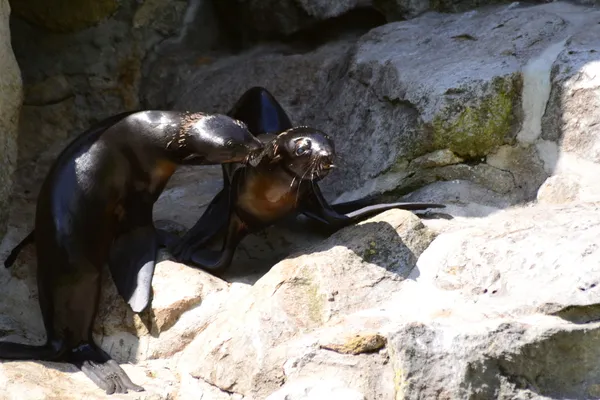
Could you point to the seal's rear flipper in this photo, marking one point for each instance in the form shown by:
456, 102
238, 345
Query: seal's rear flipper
102, 370
17, 249
317, 208
131, 261
378, 208
209, 225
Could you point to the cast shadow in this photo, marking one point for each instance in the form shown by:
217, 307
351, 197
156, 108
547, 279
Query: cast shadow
296, 237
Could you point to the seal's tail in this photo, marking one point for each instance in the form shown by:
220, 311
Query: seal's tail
17, 249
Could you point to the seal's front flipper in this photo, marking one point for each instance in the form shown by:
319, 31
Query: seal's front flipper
211, 223
17, 249
102, 370
261, 112
131, 262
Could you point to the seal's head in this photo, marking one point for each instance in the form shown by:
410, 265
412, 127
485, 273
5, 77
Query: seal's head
305, 152
220, 139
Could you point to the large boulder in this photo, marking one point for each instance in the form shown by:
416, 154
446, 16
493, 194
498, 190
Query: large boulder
571, 121
75, 79
11, 97
470, 86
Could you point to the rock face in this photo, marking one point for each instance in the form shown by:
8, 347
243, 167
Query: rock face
483, 111
11, 96
472, 85
64, 15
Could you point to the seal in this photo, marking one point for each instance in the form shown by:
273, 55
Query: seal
95, 206
281, 182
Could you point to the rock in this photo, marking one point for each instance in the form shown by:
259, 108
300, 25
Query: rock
559, 189
76, 79
438, 158
571, 120
301, 294
283, 17
316, 389
47, 380
374, 87
356, 344
64, 15
524, 264
11, 97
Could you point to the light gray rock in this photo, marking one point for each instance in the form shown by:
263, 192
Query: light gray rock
571, 120
373, 96
355, 268
534, 259
314, 390
11, 97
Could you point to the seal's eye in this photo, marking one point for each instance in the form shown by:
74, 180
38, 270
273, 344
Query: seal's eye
303, 147
229, 143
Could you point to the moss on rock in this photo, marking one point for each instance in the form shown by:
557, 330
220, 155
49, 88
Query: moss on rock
64, 15
366, 342
479, 128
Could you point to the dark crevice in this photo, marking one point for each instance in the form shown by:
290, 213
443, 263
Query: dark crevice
241, 37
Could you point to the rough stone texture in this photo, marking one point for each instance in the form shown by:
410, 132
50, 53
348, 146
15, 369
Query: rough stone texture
571, 120
468, 103
11, 97
74, 80
355, 268
474, 110
64, 15
268, 17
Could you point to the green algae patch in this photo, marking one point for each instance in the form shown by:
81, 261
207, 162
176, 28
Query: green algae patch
64, 16
474, 130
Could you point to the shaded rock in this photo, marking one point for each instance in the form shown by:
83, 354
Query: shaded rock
74, 80
268, 17
525, 167
301, 294
11, 97
438, 158
64, 15
52, 90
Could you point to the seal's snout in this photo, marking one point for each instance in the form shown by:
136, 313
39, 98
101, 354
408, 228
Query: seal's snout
326, 162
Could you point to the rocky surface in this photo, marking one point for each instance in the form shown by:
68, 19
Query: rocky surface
11, 96
481, 99
492, 112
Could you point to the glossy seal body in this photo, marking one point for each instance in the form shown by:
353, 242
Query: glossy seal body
95, 206
283, 181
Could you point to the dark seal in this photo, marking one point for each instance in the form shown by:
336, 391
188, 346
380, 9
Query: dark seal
281, 183
95, 206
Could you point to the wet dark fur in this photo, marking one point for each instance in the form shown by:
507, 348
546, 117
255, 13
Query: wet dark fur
95, 207
280, 183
